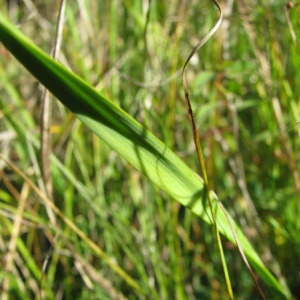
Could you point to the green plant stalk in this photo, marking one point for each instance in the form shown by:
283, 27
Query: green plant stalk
199, 149
130, 281
31, 265
126, 136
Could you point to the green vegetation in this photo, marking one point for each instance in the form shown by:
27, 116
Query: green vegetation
113, 233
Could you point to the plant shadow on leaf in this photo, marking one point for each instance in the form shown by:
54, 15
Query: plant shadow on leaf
132, 141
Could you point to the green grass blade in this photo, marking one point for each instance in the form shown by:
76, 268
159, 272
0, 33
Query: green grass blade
126, 136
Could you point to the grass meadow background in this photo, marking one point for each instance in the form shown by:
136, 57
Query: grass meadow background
244, 88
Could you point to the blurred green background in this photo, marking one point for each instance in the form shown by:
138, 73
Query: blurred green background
244, 88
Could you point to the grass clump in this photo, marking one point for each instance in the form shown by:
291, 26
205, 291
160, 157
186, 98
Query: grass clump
244, 93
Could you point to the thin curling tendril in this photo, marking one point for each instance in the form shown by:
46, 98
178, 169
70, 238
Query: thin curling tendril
203, 169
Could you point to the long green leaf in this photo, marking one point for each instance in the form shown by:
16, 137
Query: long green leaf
126, 136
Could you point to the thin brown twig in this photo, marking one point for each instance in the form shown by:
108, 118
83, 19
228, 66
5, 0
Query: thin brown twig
199, 150
97, 250
186, 94
12, 247
203, 168
46, 112
240, 248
